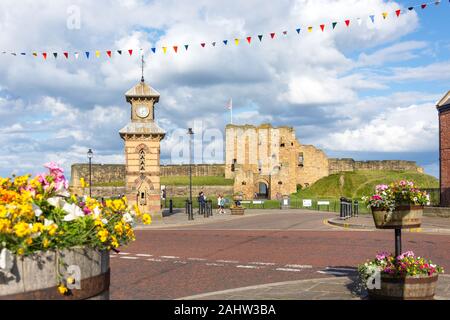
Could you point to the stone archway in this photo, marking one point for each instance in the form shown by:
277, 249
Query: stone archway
262, 189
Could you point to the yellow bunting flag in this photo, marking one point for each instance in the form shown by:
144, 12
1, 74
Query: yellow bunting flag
385, 14
310, 29
164, 49
35, 54
97, 54
236, 41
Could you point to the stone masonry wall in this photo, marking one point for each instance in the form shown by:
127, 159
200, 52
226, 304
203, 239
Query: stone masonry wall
341, 165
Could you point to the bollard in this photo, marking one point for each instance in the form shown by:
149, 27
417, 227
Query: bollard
210, 208
170, 206
356, 209
189, 210
341, 211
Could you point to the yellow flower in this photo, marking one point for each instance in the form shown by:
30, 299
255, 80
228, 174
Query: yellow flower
22, 229
83, 183
103, 235
137, 210
45, 243
98, 222
114, 242
119, 228
51, 229
62, 289
5, 226
29, 241
20, 251
37, 227
146, 218
70, 280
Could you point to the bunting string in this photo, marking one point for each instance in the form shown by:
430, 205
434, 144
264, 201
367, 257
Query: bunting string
175, 48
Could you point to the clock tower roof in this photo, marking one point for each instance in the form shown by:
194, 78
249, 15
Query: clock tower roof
142, 90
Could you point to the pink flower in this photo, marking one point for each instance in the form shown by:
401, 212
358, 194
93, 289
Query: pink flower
382, 256
381, 187
376, 197
54, 167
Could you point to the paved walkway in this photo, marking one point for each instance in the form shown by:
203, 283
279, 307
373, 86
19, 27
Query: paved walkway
333, 288
429, 224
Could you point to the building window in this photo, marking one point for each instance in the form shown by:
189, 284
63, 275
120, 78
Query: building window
142, 160
280, 182
301, 159
233, 165
244, 183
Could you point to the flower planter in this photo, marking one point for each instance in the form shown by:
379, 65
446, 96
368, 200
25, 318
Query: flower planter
34, 277
237, 211
403, 217
405, 288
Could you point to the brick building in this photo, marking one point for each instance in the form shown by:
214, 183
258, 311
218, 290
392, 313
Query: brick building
443, 107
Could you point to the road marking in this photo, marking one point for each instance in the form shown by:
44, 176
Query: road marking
288, 269
169, 257
131, 258
247, 267
215, 264
336, 273
197, 259
154, 260
301, 266
124, 253
180, 262
227, 261
263, 263
143, 255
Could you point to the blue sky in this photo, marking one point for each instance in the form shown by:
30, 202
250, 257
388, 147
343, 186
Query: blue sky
366, 92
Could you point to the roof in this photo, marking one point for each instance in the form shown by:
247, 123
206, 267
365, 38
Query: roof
444, 102
142, 128
142, 90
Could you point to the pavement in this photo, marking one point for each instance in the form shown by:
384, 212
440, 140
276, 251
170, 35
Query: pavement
429, 224
293, 254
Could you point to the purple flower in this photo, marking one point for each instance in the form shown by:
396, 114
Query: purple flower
382, 255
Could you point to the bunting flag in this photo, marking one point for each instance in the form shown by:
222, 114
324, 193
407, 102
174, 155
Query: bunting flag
397, 12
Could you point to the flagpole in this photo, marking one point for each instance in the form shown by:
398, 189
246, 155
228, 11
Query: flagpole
231, 113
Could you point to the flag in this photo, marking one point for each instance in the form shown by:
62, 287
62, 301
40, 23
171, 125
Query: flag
372, 17
97, 54
203, 44
76, 55
55, 54
154, 50
66, 54
272, 35
411, 8
260, 37
423, 6
298, 30
213, 44
87, 54
35, 54
225, 42
236, 41
322, 26
249, 40
119, 52
230, 104
285, 33
347, 22
334, 25
310, 29
130, 52
186, 46
175, 48
164, 49
398, 12
385, 14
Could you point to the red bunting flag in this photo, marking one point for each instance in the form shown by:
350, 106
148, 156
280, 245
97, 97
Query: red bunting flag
347, 22
272, 35
285, 32
66, 54
249, 39
322, 26
398, 12
175, 48
203, 44
109, 53
130, 52
423, 6
44, 54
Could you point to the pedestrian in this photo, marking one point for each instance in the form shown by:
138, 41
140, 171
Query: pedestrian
201, 202
221, 204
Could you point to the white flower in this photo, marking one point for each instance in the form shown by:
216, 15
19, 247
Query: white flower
57, 202
104, 221
48, 222
97, 213
73, 212
6, 260
37, 210
63, 192
127, 218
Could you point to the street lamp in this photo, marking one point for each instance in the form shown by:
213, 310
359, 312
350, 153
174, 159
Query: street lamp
90, 154
191, 134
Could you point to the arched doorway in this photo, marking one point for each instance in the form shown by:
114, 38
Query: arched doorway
263, 190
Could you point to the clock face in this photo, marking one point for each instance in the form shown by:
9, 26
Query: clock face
142, 111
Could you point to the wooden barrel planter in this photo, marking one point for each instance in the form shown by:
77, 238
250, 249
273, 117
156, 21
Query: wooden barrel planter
237, 211
34, 277
405, 288
403, 217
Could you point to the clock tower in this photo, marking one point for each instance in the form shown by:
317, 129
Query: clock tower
142, 138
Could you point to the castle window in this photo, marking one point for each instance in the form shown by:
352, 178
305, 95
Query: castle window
233, 165
300, 159
280, 182
142, 160
244, 183
282, 145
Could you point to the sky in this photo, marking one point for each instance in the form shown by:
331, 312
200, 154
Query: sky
367, 91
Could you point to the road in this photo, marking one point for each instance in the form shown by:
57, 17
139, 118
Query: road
184, 261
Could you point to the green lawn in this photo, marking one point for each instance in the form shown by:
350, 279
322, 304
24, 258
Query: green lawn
196, 181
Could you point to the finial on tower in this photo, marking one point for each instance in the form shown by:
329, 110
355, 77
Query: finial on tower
142, 66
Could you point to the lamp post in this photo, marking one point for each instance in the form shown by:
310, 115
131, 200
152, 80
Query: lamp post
191, 134
90, 154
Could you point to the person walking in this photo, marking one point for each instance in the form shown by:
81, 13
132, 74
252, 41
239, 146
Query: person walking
201, 202
221, 204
